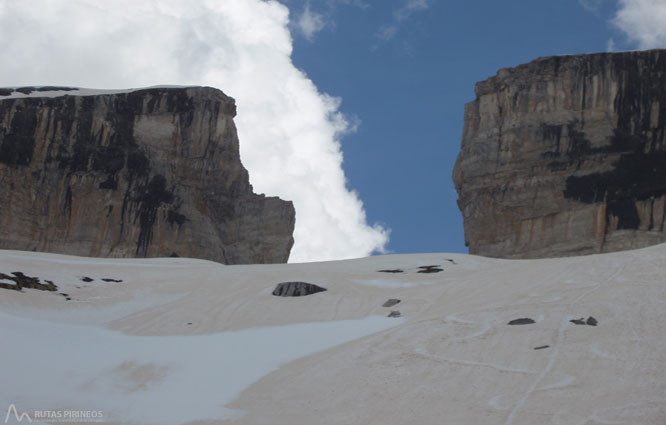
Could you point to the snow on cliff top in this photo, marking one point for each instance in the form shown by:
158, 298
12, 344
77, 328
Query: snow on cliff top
56, 91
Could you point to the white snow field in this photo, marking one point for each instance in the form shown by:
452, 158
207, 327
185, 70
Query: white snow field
183, 341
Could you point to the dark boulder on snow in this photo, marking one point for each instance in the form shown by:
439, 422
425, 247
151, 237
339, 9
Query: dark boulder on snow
391, 302
522, 321
296, 289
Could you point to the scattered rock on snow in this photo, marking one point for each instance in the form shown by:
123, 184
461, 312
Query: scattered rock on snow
430, 269
391, 271
394, 313
22, 281
521, 321
87, 279
391, 302
541, 347
591, 321
296, 289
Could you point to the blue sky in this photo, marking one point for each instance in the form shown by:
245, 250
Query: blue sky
408, 91
352, 109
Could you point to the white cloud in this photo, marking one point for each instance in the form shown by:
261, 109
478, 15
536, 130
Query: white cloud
362, 4
610, 45
643, 21
405, 11
409, 7
387, 32
310, 22
591, 5
288, 130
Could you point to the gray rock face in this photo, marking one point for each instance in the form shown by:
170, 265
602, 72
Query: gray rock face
145, 173
566, 155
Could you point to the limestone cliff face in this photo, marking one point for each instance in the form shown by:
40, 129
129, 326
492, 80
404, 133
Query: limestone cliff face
566, 155
144, 173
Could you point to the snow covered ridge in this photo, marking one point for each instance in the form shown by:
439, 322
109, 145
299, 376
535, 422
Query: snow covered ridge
478, 341
57, 91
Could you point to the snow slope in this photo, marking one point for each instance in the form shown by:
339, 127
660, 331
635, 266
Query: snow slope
189, 341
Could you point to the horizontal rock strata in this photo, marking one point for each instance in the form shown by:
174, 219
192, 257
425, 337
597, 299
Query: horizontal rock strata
566, 155
136, 173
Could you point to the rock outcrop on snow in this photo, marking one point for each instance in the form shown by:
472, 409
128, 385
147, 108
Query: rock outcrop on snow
566, 155
150, 172
296, 289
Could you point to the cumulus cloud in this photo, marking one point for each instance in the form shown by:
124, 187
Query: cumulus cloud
643, 21
289, 131
310, 22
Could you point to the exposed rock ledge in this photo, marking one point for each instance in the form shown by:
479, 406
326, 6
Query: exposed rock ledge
566, 155
132, 173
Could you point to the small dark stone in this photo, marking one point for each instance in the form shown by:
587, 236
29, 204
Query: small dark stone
580, 321
522, 321
68, 299
189, 323
430, 269
541, 347
394, 313
112, 280
87, 279
296, 289
391, 302
591, 321
64, 295
391, 271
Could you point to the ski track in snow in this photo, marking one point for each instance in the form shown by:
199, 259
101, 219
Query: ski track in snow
557, 346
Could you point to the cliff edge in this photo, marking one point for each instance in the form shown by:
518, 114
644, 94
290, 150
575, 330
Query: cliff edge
566, 155
132, 173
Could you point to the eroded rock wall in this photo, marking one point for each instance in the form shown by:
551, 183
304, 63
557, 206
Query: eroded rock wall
144, 173
566, 155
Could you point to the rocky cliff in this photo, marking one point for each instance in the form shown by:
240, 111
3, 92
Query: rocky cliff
137, 173
566, 155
